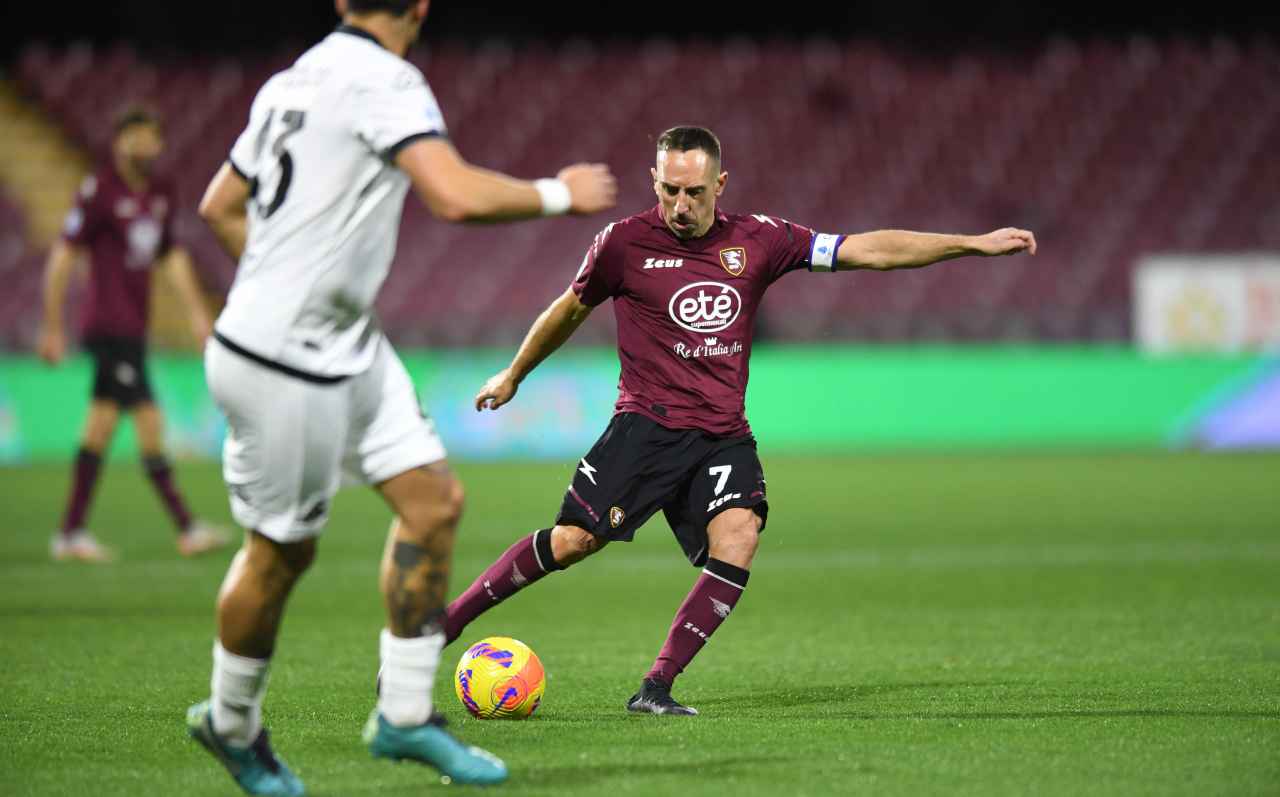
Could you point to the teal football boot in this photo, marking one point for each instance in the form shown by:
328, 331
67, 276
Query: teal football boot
255, 768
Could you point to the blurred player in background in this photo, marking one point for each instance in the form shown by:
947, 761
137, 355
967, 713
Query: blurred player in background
122, 222
309, 203
686, 280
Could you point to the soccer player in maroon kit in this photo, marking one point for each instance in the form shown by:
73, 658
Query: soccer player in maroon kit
122, 220
686, 281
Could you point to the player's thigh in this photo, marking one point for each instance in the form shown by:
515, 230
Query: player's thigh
100, 423
632, 471
728, 477
283, 450
390, 434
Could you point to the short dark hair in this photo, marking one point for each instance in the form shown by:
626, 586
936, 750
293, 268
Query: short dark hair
686, 138
396, 7
132, 115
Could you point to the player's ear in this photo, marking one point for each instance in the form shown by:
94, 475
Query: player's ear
423, 5
341, 7
720, 181
654, 174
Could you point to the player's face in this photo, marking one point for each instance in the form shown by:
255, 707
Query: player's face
140, 145
687, 185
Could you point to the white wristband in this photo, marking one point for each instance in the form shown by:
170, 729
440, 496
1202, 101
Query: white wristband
822, 254
556, 199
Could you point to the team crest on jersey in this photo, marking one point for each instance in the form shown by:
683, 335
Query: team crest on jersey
616, 516
126, 207
734, 260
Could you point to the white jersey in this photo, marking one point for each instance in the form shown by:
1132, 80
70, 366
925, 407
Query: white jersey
326, 203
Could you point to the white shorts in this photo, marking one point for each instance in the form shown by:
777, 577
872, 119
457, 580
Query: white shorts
290, 442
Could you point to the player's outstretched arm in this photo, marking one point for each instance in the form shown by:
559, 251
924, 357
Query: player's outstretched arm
556, 325
52, 344
224, 208
182, 276
456, 191
889, 249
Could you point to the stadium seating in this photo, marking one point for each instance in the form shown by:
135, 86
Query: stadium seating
21, 273
1107, 149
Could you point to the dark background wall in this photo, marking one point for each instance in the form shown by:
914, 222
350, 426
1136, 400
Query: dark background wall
240, 25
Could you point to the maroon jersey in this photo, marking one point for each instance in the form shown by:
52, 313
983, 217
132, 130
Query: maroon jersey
124, 231
686, 310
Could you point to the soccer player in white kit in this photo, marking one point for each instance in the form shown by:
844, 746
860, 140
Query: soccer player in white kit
309, 202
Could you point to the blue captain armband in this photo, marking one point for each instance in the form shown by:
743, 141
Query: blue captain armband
822, 252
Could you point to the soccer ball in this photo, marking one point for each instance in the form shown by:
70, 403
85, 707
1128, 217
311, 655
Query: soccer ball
499, 678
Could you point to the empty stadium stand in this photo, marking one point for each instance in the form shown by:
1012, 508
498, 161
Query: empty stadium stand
1107, 149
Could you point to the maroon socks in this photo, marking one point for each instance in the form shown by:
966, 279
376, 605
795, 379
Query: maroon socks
713, 596
161, 476
84, 477
528, 560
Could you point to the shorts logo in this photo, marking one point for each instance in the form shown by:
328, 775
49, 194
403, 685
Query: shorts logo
716, 503
316, 512
616, 516
705, 306
126, 374
734, 260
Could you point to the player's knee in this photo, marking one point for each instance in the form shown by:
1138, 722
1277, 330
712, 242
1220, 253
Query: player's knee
99, 428
433, 513
736, 534
455, 501
571, 544
274, 566
298, 557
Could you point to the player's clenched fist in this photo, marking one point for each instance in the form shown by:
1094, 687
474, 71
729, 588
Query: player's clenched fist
1007, 241
591, 185
500, 389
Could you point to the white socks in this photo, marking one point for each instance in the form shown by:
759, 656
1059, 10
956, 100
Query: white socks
238, 685
408, 673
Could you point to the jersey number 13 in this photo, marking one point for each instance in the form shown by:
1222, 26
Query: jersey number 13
290, 122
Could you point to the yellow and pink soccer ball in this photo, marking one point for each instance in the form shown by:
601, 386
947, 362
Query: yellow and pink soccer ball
499, 678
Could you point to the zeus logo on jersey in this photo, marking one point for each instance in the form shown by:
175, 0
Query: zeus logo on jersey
655, 262
705, 306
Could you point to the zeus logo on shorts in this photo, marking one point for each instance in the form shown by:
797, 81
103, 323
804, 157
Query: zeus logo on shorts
705, 306
716, 503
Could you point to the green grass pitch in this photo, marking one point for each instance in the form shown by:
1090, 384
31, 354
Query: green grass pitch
951, 624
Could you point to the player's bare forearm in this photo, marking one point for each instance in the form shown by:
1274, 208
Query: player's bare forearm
232, 233
182, 276
224, 208
890, 249
62, 260
57, 275
553, 327
457, 191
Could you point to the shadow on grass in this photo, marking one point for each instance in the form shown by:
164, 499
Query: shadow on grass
587, 773
846, 696
1064, 714
591, 772
834, 694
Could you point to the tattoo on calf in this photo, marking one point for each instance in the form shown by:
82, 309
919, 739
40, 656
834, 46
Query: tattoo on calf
416, 587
